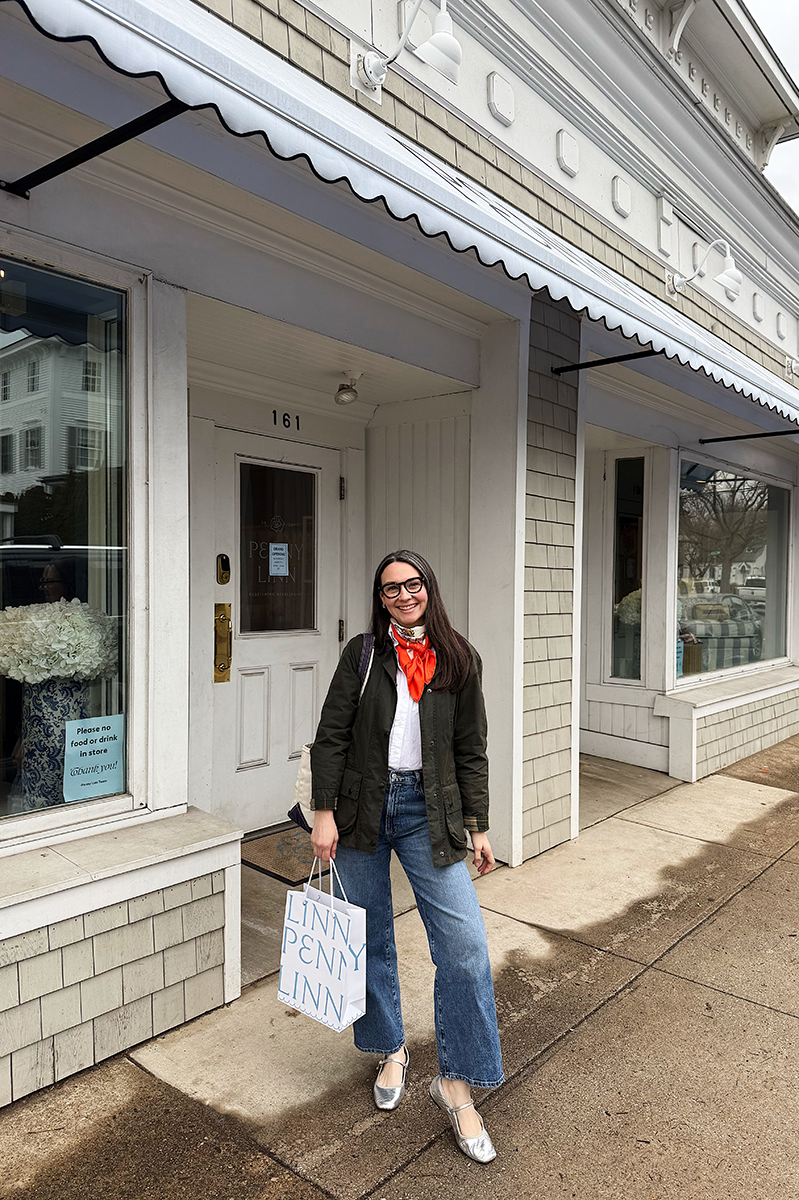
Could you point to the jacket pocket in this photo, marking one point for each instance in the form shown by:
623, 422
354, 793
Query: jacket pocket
453, 814
351, 783
348, 796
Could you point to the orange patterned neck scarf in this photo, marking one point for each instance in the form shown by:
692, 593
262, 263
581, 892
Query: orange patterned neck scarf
417, 659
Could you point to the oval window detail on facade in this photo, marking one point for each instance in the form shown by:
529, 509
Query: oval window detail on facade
732, 570
63, 535
628, 568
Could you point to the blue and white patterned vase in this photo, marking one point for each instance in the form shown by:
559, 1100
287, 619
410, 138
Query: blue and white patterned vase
46, 707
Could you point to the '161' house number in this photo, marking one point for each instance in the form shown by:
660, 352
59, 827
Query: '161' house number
286, 419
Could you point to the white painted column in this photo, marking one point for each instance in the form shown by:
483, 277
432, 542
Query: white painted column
168, 624
579, 617
496, 566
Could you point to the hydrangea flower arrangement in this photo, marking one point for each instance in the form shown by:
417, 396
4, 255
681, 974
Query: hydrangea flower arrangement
64, 640
628, 610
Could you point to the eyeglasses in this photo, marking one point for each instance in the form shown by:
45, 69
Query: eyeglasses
412, 586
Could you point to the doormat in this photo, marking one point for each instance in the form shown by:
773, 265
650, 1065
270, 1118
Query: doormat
285, 854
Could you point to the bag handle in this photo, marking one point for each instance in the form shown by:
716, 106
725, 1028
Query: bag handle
333, 870
310, 877
340, 884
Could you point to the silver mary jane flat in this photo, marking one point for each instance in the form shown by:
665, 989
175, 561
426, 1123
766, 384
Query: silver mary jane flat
479, 1148
387, 1098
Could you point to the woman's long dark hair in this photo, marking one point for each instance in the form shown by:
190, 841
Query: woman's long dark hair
453, 655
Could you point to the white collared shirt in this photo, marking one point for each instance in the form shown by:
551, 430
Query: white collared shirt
405, 742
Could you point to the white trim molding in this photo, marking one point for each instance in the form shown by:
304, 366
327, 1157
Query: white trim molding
639, 754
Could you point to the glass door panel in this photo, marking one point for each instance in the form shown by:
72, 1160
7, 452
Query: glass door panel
278, 548
628, 567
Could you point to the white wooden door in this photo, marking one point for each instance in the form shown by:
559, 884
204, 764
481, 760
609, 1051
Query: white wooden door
277, 520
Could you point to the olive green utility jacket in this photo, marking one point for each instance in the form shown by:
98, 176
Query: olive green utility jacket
349, 758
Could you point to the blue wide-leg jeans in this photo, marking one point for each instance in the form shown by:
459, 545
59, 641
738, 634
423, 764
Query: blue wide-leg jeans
465, 1010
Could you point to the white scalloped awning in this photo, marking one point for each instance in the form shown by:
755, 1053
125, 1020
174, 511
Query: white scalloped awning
202, 61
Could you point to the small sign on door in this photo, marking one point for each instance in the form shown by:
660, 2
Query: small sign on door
279, 558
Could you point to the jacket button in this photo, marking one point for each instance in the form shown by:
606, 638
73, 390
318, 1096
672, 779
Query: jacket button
441, 854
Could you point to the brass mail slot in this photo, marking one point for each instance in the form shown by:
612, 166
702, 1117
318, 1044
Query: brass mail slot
223, 643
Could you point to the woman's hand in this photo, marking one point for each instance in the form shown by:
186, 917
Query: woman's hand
324, 837
483, 856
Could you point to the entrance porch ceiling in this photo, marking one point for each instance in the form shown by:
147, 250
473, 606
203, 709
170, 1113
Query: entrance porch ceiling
248, 352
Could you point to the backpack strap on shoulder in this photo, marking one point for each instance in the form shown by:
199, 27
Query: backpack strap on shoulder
367, 654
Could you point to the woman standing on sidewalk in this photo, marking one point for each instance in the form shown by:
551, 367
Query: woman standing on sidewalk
405, 769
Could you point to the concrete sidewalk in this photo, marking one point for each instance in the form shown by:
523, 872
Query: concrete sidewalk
647, 980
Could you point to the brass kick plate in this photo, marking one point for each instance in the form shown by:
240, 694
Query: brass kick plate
223, 643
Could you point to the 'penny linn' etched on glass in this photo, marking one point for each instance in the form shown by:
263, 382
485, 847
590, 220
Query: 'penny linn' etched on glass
278, 551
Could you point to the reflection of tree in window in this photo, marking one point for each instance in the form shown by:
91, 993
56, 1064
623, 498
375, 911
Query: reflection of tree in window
723, 521
732, 527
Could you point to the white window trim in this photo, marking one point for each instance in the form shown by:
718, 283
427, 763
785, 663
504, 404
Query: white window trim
81, 426
34, 426
37, 373
92, 370
148, 489
675, 684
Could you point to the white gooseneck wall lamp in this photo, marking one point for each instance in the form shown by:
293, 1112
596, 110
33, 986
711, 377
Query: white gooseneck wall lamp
730, 278
442, 51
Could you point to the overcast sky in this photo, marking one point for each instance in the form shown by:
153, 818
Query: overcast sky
779, 20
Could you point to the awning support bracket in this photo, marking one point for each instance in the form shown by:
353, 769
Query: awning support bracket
604, 362
108, 141
750, 437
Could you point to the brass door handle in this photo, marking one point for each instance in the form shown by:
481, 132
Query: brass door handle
223, 643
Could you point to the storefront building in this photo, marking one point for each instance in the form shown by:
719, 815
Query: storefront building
289, 322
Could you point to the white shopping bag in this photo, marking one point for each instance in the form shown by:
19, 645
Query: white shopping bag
323, 956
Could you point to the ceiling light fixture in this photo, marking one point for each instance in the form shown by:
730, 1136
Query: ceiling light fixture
442, 51
730, 278
347, 392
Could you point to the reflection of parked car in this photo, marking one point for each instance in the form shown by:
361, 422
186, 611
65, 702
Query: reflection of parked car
728, 628
754, 592
689, 587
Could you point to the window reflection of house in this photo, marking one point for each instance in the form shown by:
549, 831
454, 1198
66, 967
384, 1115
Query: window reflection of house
60, 413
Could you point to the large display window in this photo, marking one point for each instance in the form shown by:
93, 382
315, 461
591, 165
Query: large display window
63, 549
732, 569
